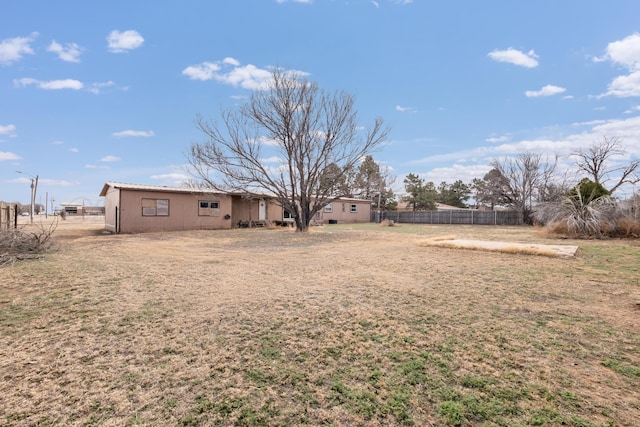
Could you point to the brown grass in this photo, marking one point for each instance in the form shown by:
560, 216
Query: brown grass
346, 325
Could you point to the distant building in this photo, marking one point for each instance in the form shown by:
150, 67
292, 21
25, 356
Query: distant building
81, 209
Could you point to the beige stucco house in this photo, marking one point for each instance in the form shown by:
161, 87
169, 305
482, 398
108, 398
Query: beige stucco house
136, 208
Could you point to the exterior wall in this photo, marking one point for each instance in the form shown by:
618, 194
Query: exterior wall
340, 212
183, 211
111, 207
274, 211
249, 210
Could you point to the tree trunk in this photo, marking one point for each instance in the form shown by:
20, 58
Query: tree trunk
303, 220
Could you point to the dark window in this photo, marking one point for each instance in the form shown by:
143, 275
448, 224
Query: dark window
209, 208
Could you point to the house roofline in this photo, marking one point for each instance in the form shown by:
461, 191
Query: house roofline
158, 188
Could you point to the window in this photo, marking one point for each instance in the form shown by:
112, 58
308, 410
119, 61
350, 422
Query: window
209, 208
328, 208
155, 207
353, 208
286, 215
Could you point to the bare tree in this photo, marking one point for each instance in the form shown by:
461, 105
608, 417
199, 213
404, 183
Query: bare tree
305, 128
595, 160
527, 175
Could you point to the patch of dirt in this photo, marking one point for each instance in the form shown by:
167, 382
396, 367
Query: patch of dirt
507, 247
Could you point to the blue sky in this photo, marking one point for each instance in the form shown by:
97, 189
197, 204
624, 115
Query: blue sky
108, 91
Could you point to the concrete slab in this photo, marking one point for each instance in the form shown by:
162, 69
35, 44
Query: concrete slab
518, 248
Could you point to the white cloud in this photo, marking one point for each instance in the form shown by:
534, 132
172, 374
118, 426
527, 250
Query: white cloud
89, 166
74, 150
12, 50
560, 147
202, 71
123, 41
625, 53
230, 72
405, 109
50, 85
58, 142
268, 142
231, 61
9, 130
625, 86
588, 123
247, 77
516, 57
56, 183
450, 174
272, 159
496, 139
5, 155
129, 132
547, 90
110, 159
96, 88
628, 129
70, 52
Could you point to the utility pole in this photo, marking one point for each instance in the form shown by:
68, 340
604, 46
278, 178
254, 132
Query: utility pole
34, 189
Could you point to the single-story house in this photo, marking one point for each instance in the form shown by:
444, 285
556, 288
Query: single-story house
135, 208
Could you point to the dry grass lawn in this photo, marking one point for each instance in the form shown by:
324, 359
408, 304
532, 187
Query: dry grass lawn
346, 325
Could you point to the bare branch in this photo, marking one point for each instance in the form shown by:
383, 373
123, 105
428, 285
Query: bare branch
595, 161
294, 121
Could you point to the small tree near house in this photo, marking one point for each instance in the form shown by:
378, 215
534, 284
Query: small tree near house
291, 140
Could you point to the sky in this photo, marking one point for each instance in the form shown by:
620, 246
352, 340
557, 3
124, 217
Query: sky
92, 92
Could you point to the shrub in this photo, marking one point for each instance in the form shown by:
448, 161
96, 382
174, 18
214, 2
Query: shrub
587, 211
17, 244
627, 226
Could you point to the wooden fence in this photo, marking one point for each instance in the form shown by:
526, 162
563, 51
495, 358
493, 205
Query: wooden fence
8, 216
462, 216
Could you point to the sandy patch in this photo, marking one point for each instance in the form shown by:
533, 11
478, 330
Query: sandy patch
509, 247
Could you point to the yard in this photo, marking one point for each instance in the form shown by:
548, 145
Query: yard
346, 325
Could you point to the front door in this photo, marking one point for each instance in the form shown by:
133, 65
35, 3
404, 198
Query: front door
262, 211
